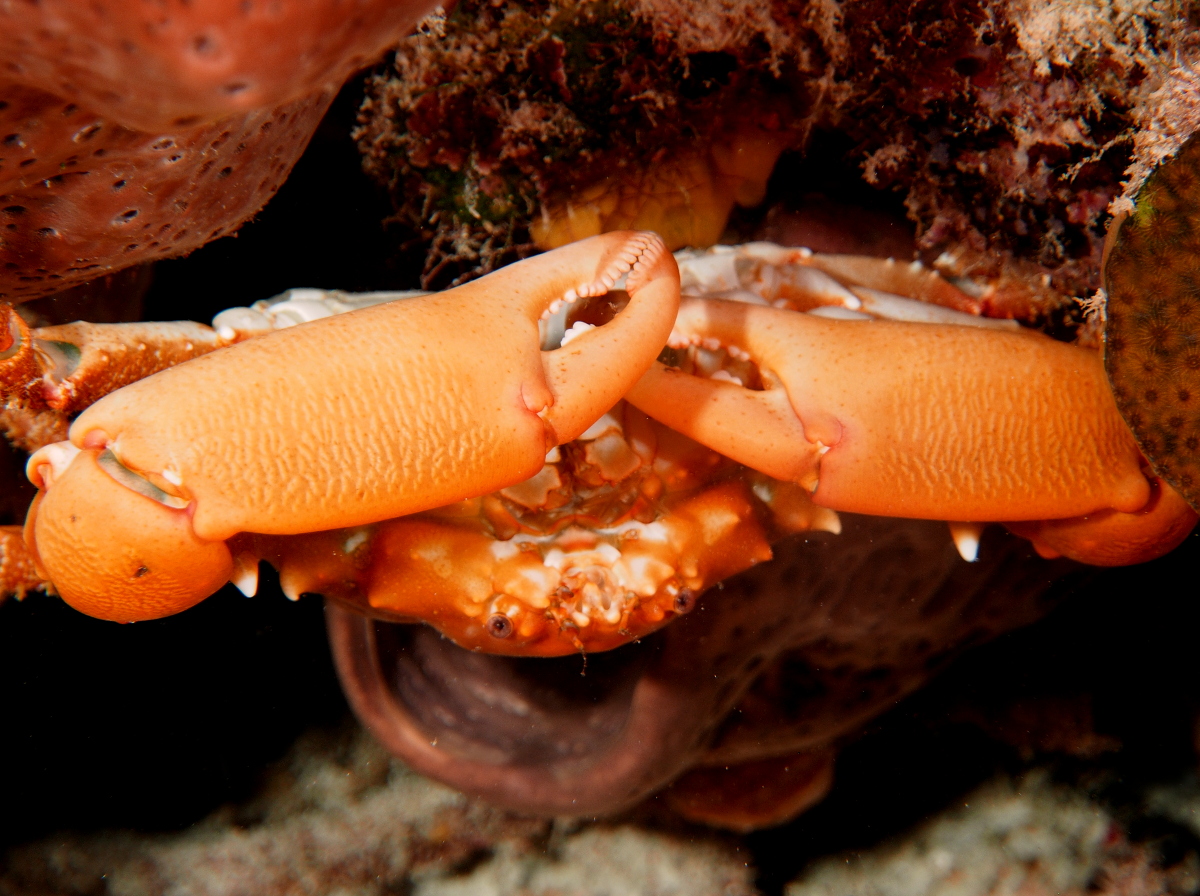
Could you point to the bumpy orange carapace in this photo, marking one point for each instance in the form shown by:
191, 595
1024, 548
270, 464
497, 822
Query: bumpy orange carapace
345, 421
929, 422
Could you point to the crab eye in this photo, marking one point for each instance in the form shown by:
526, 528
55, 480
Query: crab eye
685, 601
499, 626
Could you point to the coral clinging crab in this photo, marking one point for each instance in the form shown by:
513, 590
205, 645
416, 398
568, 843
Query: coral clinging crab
442, 526
609, 537
391, 421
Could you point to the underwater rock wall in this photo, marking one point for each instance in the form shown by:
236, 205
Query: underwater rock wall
1005, 127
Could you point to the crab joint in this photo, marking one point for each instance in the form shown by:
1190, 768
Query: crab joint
19, 368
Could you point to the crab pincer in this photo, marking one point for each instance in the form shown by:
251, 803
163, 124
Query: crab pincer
926, 421
344, 421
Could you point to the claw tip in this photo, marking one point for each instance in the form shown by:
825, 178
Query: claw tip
966, 539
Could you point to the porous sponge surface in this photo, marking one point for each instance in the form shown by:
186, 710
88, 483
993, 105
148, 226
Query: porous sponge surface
1152, 349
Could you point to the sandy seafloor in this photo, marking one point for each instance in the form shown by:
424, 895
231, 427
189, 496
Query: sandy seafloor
212, 753
342, 819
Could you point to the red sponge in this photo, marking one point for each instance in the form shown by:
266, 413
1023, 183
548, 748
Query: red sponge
131, 131
178, 63
81, 197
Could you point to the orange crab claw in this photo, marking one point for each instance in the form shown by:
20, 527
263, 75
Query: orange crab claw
923, 421
100, 542
345, 421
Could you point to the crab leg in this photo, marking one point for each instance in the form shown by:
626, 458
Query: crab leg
344, 421
18, 360
81, 362
924, 421
777, 272
17, 575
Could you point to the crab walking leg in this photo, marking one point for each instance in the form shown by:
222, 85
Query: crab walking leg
17, 575
921, 421
18, 363
348, 420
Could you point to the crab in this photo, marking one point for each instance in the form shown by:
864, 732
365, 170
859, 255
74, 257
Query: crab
712, 462
795, 386
624, 529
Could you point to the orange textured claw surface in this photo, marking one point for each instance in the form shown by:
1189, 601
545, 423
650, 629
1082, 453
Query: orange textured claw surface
88, 533
176, 63
81, 196
918, 420
397, 407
